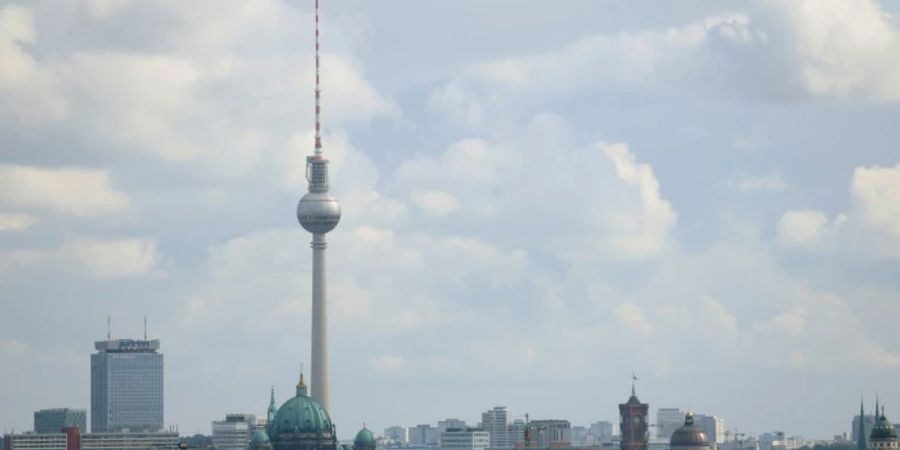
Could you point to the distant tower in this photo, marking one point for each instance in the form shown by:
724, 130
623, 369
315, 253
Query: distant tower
861, 441
884, 435
270, 413
633, 422
318, 213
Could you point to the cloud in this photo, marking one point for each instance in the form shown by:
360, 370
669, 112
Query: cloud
842, 49
876, 191
770, 182
16, 221
80, 192
621, 213
437, 203
868, 229
104, 258
27, 91
645, 233
806, 227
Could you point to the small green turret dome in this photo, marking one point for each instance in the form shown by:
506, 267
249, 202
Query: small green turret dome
300, 415
260, 437
364, 437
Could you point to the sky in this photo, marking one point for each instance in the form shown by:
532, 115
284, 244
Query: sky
539, 199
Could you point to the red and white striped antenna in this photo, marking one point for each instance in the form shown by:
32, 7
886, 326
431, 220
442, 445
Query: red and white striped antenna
318, 91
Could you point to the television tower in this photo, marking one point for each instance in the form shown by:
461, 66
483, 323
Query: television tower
318, 213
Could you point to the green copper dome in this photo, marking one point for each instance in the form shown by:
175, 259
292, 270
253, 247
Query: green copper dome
364, 437
883, 429
300, 415
260, 437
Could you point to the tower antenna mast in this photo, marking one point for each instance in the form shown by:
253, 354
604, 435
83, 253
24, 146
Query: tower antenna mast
318, 91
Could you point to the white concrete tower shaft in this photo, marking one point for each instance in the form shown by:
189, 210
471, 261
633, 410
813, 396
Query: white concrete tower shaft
320, 376
318, 213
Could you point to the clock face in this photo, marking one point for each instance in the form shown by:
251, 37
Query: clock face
637, 419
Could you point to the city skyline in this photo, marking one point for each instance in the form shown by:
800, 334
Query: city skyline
538, 200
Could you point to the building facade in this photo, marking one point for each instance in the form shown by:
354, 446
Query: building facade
446, 424
130, 441
54, 420
667, 421
602, 431
423, 435
36, 441
396, 435
552, 432
633, 424
234, 432
126, 386
713, 427
495, 422
465, 439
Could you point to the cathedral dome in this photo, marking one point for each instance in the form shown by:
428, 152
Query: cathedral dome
364, 437
688, 435
883, 429
300, 416
364, 440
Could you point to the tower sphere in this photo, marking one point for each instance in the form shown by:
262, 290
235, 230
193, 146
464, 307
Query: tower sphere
318, 212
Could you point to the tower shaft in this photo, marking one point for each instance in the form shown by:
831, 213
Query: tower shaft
320, 390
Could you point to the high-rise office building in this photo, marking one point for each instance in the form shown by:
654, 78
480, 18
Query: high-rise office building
126, 386
465, 439
54, 420
602, 431
552, 431
667, 421
234, 432
496, 423
423, 435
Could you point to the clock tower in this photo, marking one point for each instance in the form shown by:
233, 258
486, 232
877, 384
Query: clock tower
633, 423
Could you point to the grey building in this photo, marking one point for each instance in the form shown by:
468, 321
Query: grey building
496, 423
423, 435
446, 424
667, 421
130, 441
53, 420
602, 431
126, 386
553, 431
35, 441
234, 432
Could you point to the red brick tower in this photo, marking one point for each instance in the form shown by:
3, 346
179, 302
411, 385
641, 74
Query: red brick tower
633, 423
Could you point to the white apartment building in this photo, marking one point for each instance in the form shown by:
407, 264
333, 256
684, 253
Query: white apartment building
234, 432
465, 439
35, 441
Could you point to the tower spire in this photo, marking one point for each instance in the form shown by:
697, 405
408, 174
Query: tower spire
861, 428
318, 90
108, 328
145, 327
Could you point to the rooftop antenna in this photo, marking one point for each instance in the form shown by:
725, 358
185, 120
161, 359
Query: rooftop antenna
145, 327
108, 338
318, 91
